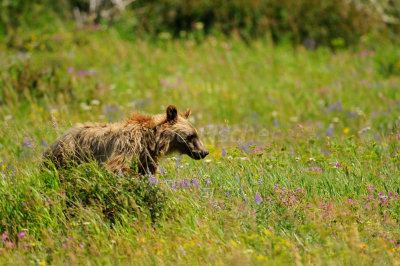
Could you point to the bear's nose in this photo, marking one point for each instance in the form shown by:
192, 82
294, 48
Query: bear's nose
205, 153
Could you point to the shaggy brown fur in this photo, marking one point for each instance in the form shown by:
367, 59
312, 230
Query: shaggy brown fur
142, 138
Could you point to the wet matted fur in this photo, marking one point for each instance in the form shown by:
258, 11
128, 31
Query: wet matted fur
143, 139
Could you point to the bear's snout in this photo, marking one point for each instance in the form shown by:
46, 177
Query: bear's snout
204, 154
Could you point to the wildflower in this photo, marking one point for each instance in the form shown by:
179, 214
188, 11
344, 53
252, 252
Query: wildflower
258, 198
260, 182
183, 251
64, 244
208, 181
195, 183
162, 171
308, 206
276, 186
4, 236
351, 201
346, 130
144, 228
223, 153
367, 205
371, 188
228, 194
44, 143
21, 234
27, 142
337, 164
152, 180
379, 173
329, 132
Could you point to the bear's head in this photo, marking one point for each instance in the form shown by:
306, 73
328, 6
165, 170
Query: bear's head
183, 137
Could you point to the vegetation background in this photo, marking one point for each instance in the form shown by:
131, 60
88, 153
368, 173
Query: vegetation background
297, 101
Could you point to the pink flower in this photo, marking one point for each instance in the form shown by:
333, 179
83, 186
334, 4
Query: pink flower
367, 205
21, 234
337, 164
371, 188
64, 244
71, 70
308, 206
4, 236
351, 201
379, 173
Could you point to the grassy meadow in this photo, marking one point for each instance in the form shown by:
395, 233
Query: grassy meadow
303, 166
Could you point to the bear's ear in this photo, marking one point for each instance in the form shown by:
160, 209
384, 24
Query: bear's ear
172, 113
187, 114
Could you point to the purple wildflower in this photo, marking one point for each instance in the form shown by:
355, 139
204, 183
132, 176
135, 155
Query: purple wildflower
258, 198
371, 188
152, 180
329, 132
27, 142
21, 234
195, 183
208, 181
4, 236
228, 194
44, 143
223, 153
162, 171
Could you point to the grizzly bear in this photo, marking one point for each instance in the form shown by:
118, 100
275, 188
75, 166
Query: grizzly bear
142, 139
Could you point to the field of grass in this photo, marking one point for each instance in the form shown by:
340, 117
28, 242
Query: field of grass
303, 165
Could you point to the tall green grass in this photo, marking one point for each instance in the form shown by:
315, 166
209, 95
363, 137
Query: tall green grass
303, 164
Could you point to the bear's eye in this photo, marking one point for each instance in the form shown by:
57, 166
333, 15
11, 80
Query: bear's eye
191, 137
